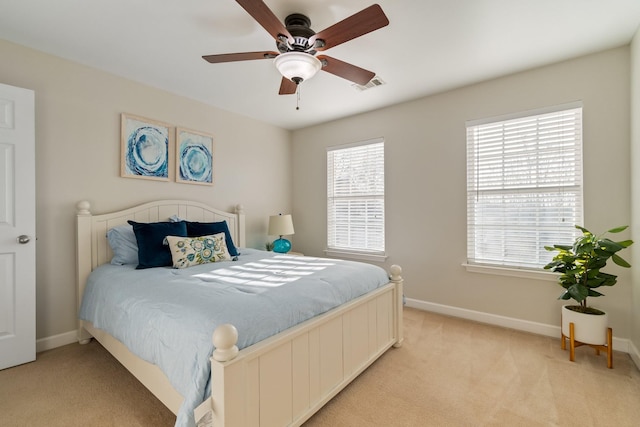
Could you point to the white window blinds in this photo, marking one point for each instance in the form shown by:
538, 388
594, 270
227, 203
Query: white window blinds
355, 197
524, 187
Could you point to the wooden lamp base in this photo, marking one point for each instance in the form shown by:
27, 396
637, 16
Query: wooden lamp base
573, 344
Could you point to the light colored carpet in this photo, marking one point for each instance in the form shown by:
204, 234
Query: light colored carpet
449, 372
77, 385
453, 372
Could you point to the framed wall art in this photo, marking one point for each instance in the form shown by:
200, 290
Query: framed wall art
194, 157
145, 148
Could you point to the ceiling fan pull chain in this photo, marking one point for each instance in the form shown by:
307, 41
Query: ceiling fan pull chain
298, 97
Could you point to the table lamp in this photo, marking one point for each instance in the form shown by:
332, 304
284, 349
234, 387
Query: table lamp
281, 225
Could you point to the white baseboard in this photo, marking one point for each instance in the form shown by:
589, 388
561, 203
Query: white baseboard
634, 353
619, 344
49, 343
553, 331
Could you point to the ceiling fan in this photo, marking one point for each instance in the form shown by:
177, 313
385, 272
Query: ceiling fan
298, 44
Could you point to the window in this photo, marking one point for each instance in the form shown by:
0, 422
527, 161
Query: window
524, 186
355, 198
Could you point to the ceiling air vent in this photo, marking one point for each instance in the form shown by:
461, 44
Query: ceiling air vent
374, 82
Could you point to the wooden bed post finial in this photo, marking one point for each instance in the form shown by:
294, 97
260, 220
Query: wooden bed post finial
83, 207
396, 272
225, 338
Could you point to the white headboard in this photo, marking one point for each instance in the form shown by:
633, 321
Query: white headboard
92, 247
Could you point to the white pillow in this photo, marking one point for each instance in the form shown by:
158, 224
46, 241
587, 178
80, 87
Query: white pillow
188, 251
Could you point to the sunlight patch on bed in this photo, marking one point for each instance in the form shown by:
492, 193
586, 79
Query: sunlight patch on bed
270, 272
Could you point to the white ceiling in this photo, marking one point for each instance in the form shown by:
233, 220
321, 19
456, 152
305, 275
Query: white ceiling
429, 46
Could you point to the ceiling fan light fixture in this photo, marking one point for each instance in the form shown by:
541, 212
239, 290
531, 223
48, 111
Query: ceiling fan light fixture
297, 66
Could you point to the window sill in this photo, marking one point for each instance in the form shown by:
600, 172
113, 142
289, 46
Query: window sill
361, 256
510, 271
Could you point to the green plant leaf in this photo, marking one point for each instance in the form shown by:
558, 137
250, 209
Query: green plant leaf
602, 279
609, 245
597, 263
578, 292
584, 230
618, 229
620, 261
592, 273
565, 296
625, 243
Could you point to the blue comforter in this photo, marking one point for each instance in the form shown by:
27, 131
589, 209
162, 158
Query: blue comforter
167, 316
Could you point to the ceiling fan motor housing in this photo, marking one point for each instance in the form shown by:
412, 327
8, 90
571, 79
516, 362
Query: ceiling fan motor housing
299, 26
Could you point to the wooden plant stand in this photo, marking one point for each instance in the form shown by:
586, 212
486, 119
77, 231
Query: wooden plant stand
573, 344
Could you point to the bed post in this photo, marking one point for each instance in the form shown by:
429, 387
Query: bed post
83, 258
227, 402
225, 338
241, 243
396, 277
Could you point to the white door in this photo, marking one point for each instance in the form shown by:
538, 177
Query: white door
17, 227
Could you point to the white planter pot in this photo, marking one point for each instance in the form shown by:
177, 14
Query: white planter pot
588, 328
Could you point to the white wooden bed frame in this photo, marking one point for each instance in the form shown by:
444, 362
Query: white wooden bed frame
281, 381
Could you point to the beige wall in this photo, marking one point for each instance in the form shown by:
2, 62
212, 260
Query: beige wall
426, 185
635, 189
78, 157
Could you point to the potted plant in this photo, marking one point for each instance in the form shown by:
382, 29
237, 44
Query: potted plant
580, 267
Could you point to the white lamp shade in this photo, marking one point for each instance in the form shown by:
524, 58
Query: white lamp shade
297, 65
280, 225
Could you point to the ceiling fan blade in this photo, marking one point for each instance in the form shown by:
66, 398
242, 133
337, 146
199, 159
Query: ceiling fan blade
245, 56
287, 87
265, 17
345, 70
361, 23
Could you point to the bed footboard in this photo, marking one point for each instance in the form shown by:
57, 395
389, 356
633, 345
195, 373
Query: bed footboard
284, 380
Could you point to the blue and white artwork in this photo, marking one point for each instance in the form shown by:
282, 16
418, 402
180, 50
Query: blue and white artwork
194, 157
145, 148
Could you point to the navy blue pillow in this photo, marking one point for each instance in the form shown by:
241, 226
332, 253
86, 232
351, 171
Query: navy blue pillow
152, 252
197, 229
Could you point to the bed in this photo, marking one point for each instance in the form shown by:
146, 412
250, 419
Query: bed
280, 380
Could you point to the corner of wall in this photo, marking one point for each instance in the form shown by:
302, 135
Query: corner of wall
635, 194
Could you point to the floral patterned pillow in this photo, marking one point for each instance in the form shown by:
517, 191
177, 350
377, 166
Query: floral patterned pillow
188, 251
